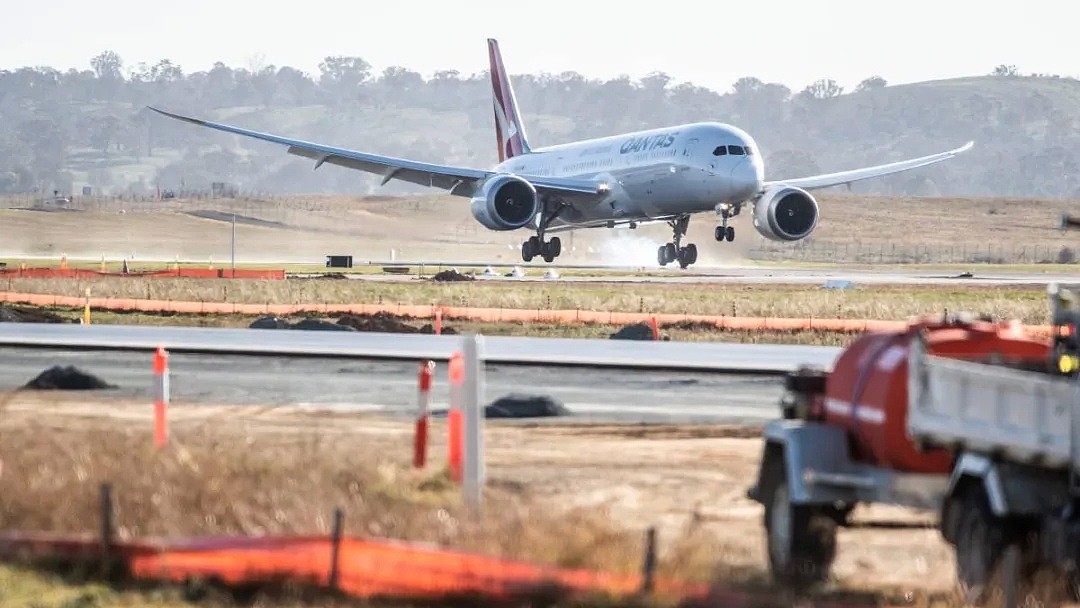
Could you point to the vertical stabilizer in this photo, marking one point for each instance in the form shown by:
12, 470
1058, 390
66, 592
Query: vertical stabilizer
509, 132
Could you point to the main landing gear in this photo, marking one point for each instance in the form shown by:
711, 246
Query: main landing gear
537, 246
674, 251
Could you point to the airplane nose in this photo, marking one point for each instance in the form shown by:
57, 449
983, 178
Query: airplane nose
746, 180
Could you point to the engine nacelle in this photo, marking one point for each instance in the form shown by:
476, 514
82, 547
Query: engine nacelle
785, 213
505, 202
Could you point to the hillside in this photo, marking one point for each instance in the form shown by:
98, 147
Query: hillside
68, 130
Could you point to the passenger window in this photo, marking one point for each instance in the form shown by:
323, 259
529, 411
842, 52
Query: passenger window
720, 151
735, 150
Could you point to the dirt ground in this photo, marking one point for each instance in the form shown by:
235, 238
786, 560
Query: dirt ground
642, 475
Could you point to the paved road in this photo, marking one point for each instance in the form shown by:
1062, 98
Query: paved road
390, 387
626, 354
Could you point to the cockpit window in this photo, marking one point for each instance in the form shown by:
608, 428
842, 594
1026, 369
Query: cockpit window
749, 151
735, 150
720, 151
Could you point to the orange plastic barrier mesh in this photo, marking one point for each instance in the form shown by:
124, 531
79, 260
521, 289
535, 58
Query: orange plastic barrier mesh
485, 315
366, 569
195, 273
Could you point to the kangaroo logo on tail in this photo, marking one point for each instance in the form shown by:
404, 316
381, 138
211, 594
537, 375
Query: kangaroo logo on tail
509, 132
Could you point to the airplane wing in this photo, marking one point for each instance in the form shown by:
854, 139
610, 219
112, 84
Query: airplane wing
461, 181
846, 177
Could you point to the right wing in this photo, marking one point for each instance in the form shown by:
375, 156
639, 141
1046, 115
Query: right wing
846, 177
461, 181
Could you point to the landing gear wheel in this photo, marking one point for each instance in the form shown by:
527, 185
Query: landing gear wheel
527, 252
661, 255
801, 539
720, 232
670, 253
730, 233
556, 246
547, 252
687, 255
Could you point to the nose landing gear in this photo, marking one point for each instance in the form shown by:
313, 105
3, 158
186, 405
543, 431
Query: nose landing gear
726, 211
674, 251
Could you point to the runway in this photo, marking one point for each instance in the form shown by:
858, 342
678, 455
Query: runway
968, 275
390, 387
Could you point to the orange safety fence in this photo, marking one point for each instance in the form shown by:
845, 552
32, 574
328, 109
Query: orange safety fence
483, 315
366, 568
192, 273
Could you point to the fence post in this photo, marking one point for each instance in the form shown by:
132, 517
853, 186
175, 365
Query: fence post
161, 396
655, 328
438, 322
424, 407
648, 566
474, 422
456, 373
335, 547
107, 527
86, 308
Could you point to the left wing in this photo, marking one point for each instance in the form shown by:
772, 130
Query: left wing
461, 181
846, 177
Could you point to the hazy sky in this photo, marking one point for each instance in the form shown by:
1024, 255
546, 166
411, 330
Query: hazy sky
711, 43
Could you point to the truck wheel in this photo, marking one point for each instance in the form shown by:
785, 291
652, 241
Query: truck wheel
801, 539
980, 543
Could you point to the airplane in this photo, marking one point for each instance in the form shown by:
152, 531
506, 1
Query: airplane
648, 176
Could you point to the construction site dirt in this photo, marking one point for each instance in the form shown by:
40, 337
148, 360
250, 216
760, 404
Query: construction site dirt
674, 477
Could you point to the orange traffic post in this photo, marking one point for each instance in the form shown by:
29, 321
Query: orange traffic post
438, 321
455, 435
424, 408
161, 396
655, 328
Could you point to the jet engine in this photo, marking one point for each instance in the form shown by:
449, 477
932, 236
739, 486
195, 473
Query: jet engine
505, 202
785, 213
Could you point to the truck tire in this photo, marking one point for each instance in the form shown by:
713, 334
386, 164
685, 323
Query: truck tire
801, 539
980, 543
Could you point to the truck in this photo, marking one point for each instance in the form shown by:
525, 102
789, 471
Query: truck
976, 421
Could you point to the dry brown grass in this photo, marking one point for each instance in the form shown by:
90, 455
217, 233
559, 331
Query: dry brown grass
209, 483
1027, 303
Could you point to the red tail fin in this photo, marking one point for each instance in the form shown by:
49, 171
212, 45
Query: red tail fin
509, 132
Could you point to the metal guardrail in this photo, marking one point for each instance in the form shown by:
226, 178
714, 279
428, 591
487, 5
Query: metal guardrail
626, 354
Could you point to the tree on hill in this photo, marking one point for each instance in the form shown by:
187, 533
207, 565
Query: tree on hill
871, 84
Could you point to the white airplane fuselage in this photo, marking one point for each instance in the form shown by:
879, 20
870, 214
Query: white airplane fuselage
656, 173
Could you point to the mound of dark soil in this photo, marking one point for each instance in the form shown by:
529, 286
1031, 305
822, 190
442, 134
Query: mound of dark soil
452, 275
18, 314
269, 323
67, 378
320, 325
525, 406
379, 322
637, 331
446, 330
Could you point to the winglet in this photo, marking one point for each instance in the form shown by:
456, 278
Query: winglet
509, 132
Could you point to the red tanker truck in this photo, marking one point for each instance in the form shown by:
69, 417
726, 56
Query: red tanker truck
971, 419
